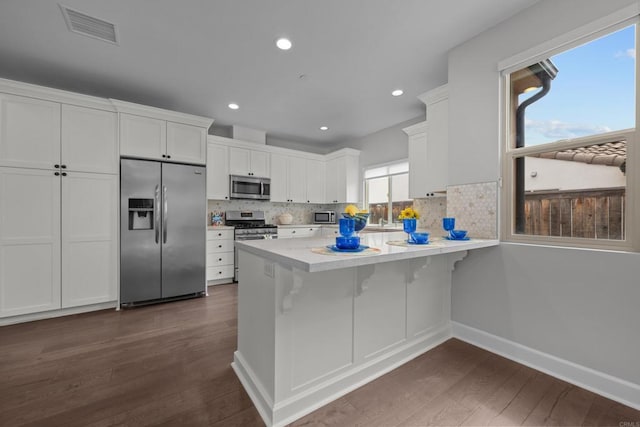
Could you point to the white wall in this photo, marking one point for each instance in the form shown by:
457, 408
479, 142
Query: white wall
579, 305
568, 175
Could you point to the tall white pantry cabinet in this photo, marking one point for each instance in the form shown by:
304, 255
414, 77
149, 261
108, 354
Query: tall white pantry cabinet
59, 164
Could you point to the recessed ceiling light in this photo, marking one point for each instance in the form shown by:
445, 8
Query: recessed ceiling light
324, 128
284, 43
234, 106
397, 92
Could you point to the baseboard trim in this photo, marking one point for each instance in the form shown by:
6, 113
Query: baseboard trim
603, 384
21, 318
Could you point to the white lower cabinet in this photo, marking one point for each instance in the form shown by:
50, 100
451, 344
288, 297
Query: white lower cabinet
89, 238
299, 231
330, 231
29, 241
58, 240
220, 256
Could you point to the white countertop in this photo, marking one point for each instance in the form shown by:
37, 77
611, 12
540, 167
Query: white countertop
302, 225
219, 227
297, 252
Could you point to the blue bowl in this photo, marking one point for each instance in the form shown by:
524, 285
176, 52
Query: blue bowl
351, 242
420, 237
360, 220
458, 234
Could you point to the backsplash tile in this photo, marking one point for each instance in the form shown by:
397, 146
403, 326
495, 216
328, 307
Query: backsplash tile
301, 213
431, 211
474, 206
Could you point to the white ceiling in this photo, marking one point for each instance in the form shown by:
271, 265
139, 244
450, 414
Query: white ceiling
197, 56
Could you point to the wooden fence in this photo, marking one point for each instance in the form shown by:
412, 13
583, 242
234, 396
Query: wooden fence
592, 214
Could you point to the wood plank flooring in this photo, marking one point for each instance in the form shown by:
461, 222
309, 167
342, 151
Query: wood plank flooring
169, 365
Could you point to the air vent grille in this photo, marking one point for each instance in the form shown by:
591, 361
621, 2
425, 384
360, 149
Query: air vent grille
81, 23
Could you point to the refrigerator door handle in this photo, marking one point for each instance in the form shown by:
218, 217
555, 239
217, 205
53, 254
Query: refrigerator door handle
164, 214
156, 208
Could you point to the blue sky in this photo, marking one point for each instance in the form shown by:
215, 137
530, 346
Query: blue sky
594, 91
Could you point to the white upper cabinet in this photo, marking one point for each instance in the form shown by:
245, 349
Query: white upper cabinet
29, 132
142, 137
288, 179
89, 140
153, 133
244, 161
41, 134
342, 177
428, 146
315, 171
217, 171
186, 143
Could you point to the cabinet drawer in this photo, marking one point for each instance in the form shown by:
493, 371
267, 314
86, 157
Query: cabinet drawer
219, 259
223, 272
214, 246
220, 234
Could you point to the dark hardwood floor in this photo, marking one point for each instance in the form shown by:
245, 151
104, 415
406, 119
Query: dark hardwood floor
169, 365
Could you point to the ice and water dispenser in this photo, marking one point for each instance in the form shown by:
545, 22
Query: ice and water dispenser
141, 214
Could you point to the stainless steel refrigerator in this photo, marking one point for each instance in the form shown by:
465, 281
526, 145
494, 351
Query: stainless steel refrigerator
162, 230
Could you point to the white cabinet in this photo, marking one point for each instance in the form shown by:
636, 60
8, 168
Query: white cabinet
89, 238
42, 134
288, 179
217, 172
89, 140
29, 241
428, 147
342, 177
292, 232
316, 178
29, 132
152, 138
220, 261
328, 231
244, 161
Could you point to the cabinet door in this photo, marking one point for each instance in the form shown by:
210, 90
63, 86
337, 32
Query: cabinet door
297, 179
417, 165
89, 140
260, 164
280, 178
437, 145
29, 132
217, 172
332, 181
29, 241
142, 137
239, 161
89, 238
186, 143
315, 181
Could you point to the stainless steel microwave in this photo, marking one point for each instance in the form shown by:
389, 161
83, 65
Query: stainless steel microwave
249, 187
324, 217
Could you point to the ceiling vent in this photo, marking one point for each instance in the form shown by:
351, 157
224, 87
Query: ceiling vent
81, 23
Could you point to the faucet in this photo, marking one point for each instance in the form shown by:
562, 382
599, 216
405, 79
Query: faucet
383, 221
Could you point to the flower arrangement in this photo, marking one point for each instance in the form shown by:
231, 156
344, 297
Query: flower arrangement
359, 215
408, 213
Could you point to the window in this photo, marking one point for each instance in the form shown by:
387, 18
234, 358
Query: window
568, 160
386, 190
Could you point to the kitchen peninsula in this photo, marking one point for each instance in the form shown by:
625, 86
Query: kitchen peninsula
313, 326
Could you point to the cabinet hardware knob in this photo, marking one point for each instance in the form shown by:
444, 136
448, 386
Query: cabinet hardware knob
56, 166
219, 234
168, 157
293, 232
63, 166
64, 174
219, 246
164, 155
57, 173
219, 259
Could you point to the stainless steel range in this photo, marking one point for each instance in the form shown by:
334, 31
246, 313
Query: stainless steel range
249, 225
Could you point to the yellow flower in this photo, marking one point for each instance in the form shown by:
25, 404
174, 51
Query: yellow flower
407, 213
351, 210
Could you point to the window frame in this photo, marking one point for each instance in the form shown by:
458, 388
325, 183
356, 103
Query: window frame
389, 176
509, 153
